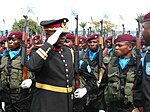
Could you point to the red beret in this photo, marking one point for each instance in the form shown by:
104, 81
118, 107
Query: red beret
0, 40
109, 38
82, 38
93, 36
142, 40
70, 36
3, 39
55, 24
125, 37
147, 17
36, 37
15, 34
28, 39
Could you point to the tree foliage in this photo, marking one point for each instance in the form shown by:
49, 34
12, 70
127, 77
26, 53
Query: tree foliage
140, 17
33, 27
83, 24
107, 26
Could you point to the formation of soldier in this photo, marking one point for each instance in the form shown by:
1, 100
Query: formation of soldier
41, 76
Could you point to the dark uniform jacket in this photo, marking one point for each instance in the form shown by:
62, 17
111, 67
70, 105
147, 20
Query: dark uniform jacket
96, 94
141, 90
53, 75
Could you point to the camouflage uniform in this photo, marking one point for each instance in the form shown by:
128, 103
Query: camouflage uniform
15, 89
16, 99
118, 93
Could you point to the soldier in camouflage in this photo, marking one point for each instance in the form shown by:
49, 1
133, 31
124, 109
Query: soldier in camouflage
16, 90
121, 75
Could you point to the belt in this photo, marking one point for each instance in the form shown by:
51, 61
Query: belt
54, 88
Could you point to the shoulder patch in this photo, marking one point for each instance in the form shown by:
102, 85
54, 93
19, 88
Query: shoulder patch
148, 68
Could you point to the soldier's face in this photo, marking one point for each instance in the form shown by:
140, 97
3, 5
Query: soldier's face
13, 43
146, 32
36, 41
82, 45
93, 45
3, 45
123, 49
144, 48
109, 43
69, 43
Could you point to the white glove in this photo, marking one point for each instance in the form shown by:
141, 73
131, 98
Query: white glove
53, 38
80, 92
26, 83
98, 83
101, 110
3, 105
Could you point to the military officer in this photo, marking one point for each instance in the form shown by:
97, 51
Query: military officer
53, 69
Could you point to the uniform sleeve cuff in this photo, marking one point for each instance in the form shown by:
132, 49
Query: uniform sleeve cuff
43, 51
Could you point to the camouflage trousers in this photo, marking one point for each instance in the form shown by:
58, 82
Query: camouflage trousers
18, 101
119, 106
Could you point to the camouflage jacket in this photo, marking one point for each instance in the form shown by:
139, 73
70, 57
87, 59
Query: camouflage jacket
11, 72
120, 81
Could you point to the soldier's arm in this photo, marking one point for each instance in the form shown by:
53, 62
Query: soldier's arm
87, 73
137, 89
38, 58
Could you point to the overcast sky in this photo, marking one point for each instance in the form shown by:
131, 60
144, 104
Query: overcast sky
54, 9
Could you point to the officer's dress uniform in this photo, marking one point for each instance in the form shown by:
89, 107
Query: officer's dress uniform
118, 93
16, 99
54, 75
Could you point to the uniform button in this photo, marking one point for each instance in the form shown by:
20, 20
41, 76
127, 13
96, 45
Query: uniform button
64, 61
66, 75
59, 52
62, 55
65, 64
66, 70
67, 86
67, 80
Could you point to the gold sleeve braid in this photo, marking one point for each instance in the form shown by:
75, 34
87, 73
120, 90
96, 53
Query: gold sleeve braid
42, 53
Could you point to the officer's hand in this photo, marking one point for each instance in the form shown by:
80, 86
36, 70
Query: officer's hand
26, 83
80, 92
53, 38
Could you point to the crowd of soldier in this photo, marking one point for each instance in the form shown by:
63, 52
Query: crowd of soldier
115, 86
